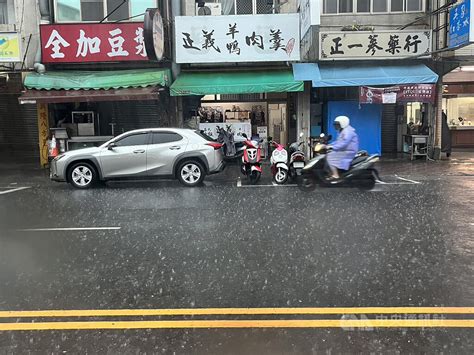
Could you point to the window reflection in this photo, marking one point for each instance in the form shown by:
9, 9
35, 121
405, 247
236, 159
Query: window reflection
68, 10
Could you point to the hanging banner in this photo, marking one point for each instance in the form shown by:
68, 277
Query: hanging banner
401, 93
43, 132
239, 38
93, 42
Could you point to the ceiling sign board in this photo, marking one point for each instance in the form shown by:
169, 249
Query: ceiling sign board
238, 38
358, 45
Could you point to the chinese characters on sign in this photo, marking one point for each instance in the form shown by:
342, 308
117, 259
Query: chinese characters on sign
460, 24
400, 93
239, 38
376, 45
83, 42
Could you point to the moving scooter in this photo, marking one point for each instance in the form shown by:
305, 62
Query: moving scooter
361, 174
251, 166
297, 159
278, 162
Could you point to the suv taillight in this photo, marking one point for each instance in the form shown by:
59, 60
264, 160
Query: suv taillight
215, 145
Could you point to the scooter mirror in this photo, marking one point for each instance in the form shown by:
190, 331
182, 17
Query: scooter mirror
244, 135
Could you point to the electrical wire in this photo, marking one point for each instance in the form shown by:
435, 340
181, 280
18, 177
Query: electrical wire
129, 18
110, 13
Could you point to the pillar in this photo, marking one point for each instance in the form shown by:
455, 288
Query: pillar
303, 114
43, 133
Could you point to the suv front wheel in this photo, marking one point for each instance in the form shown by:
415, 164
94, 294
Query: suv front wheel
82, 175
191, 173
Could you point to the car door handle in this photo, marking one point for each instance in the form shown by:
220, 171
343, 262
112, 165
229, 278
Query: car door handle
139, 151
175, 147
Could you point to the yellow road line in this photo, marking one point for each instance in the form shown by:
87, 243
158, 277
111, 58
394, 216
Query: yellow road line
212, 324
234, 311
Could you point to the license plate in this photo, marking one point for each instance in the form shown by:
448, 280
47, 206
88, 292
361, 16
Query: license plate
298, 164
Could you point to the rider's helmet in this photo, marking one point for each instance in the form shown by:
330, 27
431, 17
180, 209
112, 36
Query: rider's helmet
341, 122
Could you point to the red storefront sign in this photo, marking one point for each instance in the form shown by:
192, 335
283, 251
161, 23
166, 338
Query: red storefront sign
400, 93
83, 42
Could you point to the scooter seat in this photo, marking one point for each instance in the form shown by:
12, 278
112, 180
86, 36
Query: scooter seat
358, 160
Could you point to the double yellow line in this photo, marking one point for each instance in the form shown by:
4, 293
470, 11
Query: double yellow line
396, 322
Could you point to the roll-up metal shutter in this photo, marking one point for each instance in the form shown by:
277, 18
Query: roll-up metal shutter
389, 129
131, 115
18, 129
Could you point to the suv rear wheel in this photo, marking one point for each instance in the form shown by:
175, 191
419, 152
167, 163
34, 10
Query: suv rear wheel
82, 175
191, 173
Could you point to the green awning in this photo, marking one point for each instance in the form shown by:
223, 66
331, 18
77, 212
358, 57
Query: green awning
96, 80
237, 82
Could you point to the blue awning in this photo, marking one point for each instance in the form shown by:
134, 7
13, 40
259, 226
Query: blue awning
342, 74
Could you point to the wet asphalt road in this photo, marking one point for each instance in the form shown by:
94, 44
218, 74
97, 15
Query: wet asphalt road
403, 244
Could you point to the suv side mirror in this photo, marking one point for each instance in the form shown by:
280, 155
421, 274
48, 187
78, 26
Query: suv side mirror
111, 146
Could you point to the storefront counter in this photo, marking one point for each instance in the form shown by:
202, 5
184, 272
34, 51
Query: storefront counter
74, 143
462, 136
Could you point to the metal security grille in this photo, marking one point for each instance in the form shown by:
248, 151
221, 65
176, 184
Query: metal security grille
264, 6
244, 7
389, 128
18, 130
129, 115
18, 123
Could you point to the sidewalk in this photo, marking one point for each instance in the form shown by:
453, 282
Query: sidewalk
461, 163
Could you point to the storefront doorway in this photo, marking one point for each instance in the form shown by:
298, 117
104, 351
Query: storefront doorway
256, 115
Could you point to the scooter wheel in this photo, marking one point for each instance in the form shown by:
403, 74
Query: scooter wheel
306, 183
281, 176
254, 177
367, 184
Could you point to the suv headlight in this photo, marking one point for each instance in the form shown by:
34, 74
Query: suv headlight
59, 157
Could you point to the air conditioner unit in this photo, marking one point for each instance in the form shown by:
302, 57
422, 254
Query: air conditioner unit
209, 9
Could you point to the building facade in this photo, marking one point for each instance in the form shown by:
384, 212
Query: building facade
361, 47
19, 44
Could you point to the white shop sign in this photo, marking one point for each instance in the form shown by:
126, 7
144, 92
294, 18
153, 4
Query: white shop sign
310, 14
355, 45
238, 128
262, 131
237, 38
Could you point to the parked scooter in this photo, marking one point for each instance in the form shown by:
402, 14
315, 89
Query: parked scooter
251, 160
279, 165
361, 174
297, 159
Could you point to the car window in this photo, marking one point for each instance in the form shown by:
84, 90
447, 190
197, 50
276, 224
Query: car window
205, 136
165, 137
134, 139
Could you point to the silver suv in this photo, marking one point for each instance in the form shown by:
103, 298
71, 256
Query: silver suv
157, 152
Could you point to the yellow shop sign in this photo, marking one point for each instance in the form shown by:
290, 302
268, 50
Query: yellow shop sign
10, 47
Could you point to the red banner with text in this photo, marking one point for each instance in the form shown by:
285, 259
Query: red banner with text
400, 93
85, 42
